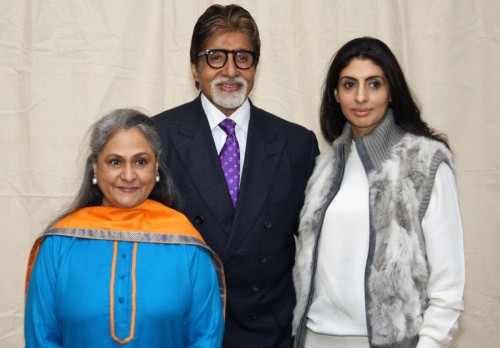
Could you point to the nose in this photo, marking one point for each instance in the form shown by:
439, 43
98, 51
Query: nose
128, 173
230, 68
361, 94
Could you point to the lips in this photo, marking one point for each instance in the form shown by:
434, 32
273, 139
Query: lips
361, 112
229, 84
126, 189
226, 87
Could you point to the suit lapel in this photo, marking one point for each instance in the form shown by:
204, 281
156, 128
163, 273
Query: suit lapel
263, 152
196, 150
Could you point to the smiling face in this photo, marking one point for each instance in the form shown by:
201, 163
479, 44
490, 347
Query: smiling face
126, 169
363, 94
228, 87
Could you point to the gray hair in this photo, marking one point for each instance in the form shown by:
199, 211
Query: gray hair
101, 132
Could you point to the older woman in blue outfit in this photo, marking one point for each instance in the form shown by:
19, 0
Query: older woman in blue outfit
380, 259
121, 267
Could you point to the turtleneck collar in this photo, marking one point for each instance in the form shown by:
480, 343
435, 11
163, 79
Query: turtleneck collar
379, 142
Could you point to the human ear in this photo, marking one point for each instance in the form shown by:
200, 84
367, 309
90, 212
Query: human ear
195, 72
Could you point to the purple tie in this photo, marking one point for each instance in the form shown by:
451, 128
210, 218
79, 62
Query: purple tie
230, 159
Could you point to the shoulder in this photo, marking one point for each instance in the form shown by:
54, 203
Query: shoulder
426, 148
327, 155
324, 169
280, 125
423, 143
175, 114
56, 247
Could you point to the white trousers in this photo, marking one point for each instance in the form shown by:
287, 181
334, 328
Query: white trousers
314, 340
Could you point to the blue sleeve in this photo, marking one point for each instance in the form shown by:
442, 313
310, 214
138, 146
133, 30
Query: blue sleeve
206, 318
41, 328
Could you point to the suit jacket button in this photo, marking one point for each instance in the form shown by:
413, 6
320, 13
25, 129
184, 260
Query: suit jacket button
263, 259
253, 316
198, 219
256, 287
268, 224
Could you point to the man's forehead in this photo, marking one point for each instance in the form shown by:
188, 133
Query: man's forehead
229, 40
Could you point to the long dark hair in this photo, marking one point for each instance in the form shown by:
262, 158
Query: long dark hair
102, 131
405, 108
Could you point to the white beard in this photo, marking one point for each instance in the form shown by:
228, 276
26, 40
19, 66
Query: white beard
229, 100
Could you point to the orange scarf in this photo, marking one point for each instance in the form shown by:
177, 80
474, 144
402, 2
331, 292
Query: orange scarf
150, 222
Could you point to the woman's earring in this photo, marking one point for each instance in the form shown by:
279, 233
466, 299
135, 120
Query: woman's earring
94, 180
157, 177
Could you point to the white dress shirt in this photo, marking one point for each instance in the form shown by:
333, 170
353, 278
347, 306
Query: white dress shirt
240, 116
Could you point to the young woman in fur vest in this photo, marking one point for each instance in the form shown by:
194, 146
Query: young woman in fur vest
380, 259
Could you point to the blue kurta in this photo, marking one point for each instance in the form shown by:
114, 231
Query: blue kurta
178, 303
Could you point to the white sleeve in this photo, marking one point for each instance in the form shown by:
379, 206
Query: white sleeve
442, 228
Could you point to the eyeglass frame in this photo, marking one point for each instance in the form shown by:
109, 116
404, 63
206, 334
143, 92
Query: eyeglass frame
206, 53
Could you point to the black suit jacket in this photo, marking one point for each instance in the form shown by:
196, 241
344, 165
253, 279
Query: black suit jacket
256, 241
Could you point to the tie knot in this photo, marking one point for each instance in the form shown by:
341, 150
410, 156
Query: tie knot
228, 126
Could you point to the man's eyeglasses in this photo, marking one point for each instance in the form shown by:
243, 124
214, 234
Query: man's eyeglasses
217, 58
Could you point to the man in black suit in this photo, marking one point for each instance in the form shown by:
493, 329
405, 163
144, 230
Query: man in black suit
251, 222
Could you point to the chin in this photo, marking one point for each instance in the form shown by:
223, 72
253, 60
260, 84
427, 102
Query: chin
230, 101
127, 204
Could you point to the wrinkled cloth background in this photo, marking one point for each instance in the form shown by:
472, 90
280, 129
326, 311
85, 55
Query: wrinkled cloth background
65, 63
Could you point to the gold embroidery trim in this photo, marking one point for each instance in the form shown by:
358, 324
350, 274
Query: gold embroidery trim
112, 295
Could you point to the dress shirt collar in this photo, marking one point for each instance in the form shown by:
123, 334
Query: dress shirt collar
240, 116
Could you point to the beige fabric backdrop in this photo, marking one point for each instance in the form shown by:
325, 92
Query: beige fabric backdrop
64, 63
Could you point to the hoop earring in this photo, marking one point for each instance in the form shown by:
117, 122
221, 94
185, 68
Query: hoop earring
157, 177
94, 180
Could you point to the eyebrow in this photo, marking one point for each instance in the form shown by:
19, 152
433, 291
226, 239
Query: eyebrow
135, 155
368, 78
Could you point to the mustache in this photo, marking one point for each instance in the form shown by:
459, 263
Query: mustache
230, 80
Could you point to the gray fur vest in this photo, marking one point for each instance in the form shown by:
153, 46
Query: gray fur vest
401, 168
